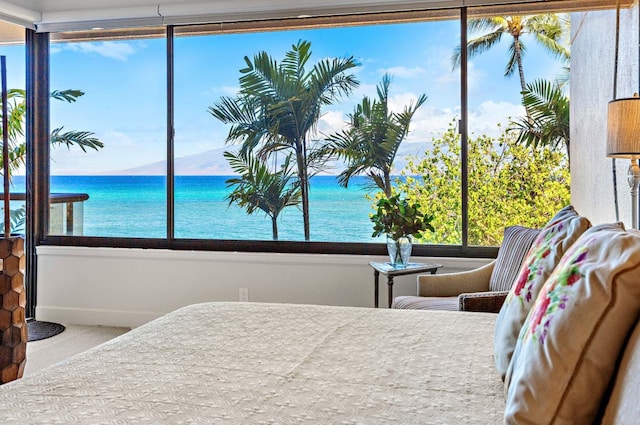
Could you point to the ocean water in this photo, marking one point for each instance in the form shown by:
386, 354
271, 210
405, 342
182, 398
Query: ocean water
135, 206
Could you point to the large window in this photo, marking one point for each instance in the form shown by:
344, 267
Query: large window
415, 58
518, 105
108, 111
261, 154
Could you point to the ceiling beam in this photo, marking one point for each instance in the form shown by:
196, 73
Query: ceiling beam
15, 14
83, 15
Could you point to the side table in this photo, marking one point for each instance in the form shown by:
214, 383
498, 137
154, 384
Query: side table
392, 271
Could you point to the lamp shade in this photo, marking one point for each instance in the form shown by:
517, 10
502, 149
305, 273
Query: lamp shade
623, 128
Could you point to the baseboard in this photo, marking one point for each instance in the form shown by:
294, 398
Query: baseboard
94, 317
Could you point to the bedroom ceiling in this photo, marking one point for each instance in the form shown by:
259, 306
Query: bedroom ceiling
78, 15
63, 15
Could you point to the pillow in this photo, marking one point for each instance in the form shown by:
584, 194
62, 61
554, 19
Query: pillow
567, 349
543, 256
515, 245
623, 407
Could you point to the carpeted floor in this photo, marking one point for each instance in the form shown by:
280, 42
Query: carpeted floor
75, 339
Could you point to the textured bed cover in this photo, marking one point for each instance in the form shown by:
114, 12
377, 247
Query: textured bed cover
250, 363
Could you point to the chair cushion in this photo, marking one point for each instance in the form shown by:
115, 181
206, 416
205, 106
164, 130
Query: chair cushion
515, 245
567, 349
426, 303
543, 256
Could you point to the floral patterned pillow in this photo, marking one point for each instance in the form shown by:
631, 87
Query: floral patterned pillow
543, 257
567, 349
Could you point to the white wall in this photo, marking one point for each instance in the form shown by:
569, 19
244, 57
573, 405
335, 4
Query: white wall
128, 287
592, 65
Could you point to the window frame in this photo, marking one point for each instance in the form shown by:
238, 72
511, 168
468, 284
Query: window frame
310, 247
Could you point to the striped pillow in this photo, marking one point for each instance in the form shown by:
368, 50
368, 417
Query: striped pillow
515, 245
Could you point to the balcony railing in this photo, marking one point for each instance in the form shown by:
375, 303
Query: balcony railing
66, 215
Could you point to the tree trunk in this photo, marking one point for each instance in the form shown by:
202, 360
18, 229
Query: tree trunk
518, 56
523, 83
304, 186
387, 182
274, 227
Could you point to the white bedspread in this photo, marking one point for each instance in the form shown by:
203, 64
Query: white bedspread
249, 363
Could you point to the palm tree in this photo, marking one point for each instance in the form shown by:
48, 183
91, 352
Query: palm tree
548, 31
279, 105
16, 112
548, 121
259, 189
371, 141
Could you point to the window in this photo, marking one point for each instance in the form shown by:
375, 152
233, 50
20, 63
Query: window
515, 179
110, 107
456, 144
207, 68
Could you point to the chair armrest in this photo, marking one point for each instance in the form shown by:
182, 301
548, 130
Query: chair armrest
454, 284
486, 302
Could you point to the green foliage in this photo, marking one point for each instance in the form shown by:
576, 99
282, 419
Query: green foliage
279, 105
371, 141
17, 110
258, 189
548, 120
548, 30
17, 219
398, 217
509, 184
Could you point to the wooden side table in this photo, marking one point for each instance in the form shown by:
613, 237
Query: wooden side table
391, 272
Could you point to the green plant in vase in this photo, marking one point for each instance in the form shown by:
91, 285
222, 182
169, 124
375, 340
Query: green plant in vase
401, 221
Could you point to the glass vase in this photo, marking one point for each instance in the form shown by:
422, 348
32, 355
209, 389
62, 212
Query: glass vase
399, 250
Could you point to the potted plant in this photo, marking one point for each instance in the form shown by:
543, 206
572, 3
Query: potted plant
400, 220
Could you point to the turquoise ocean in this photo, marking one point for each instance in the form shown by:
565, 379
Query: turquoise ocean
135, 206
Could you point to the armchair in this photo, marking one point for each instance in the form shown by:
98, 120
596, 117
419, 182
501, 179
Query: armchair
482, 289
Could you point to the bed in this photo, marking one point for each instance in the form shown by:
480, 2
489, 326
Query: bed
252, 363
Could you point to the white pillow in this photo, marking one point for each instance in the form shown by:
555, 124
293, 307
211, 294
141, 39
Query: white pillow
567, 349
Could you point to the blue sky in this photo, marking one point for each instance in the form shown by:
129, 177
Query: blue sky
124, 82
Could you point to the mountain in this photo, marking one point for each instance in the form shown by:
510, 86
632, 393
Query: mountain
212, 163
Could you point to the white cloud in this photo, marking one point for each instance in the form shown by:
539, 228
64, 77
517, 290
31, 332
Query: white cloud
229, 90
114, 50
475, 78
397, 102
484, 118
404, 72
429, 122
217, 91
331, 122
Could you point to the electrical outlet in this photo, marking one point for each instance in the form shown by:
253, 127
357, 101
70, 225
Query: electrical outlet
244, 294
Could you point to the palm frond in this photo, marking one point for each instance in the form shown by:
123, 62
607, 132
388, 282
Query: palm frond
489, 24
548, 121
70, 95
370, 143
484, 42
17, 220
82, 139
